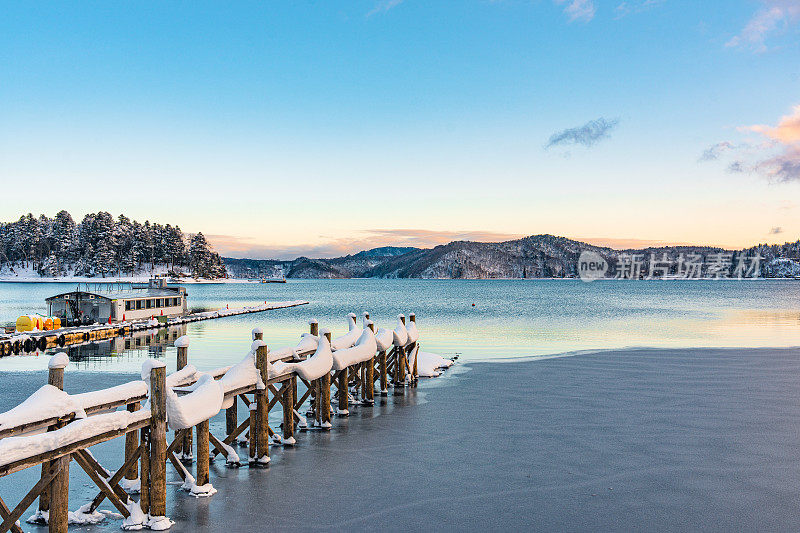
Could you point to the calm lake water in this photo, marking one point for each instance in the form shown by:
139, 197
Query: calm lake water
510, 318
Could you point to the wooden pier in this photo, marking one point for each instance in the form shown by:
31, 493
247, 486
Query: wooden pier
20, 343
143, 411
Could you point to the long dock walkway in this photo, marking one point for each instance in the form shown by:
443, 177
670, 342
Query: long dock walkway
17, 343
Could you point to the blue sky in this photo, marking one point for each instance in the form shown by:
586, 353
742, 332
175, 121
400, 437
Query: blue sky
323, 127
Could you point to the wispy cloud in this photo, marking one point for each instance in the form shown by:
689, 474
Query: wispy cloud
383, 6
712, 153
232, 246
775, 156
775, 17
578, 10
777, 230
635, 6
587, 135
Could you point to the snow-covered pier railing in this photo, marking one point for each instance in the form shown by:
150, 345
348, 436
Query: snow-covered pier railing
17, 343
51, 428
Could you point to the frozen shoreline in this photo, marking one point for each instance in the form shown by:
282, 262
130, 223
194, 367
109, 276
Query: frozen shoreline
616, 441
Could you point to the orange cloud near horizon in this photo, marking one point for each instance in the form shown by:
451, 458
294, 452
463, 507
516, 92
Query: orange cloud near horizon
786, 132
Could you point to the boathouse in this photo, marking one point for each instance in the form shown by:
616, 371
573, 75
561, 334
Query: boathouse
154, 298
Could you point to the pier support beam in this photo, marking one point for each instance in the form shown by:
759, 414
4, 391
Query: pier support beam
384, 377
368, 382
288, 412
55, 377
231, 417
132, 448
59, 497
144, 474
184, 449
158, 441
344, 394
262, 410
203, 453
325, 395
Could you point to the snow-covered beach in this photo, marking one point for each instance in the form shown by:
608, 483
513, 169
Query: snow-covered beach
617, 441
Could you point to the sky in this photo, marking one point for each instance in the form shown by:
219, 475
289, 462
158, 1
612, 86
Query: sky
281, 129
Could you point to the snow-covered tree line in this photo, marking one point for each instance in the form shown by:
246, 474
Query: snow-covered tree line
101, 246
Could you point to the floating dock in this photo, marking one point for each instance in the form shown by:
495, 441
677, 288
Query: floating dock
20, 343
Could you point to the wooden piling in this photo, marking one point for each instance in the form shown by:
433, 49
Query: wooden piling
314, 330
132, 447
55, 377
144, 475
400, 369
158, 441
59, 497
231, 417
344, 394
184, 449
414, 372
384, 376
325, 394
288, 412
203, 453
262, 411
369, 377
251, 436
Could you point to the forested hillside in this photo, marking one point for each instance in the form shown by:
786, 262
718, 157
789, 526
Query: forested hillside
101, 246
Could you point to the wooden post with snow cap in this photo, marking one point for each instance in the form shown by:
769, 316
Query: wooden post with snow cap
184, 449
158, 439
369, 378
262, 410
325, 392
344, 394
55, 498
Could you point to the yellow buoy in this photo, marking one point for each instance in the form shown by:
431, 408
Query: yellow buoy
25, 323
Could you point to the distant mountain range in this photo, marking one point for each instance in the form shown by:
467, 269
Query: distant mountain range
537, 256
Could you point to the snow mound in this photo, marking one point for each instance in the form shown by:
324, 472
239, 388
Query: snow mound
242, 374
413, 333
132, 389
182, 342
47, 402
384, 338
428, 364
204, 402
16, 448
400, 333
348, 339
59, 360
364, 349
312, 368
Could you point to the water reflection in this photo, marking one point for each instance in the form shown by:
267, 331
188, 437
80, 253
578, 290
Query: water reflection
511, 318
137, 346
